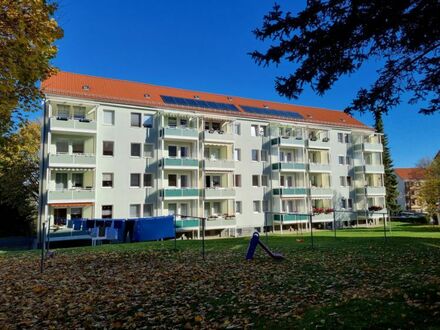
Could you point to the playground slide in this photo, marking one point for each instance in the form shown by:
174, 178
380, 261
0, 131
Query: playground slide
255, 241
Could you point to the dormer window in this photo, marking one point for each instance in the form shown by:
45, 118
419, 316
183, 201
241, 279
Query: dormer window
86, 88
196, 97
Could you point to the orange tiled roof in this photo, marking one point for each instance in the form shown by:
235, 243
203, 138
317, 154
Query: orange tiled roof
410, 173
134, 93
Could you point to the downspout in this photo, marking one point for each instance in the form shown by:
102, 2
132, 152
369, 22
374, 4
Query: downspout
42, 173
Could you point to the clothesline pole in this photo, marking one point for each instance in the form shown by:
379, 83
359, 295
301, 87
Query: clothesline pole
175, 234
203, 237
43, 239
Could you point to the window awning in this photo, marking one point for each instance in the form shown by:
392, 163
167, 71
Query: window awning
72, 169
58, 205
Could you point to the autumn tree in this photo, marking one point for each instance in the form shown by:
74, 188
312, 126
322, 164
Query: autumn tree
332, 38
390, 179
429, 194
19, 173
27, 35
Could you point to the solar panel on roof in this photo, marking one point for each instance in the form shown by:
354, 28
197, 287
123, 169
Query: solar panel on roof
272, 112
198, 103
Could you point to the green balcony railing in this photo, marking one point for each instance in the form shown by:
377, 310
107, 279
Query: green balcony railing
288, 166
290, 217
180, 192
289, 191
180, 162
288, 141
187, 223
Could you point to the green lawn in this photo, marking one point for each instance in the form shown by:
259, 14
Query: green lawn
357, 280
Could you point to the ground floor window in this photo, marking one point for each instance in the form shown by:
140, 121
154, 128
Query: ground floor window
107, 212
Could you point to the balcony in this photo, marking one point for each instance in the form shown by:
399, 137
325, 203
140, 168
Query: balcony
323, 217
321, 191
187, 224
67, 124
175, 133
371, 191
372, 147
72, 160
217, 136
289, 167
290, 192
319, 167
180, 163
318, 144
288, 141
71, 195
219, 193
180, 193
220, 222
289, 218
370, 168
218, 165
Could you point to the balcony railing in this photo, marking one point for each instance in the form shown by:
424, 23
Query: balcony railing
321, 191
319, 144
372, 147
88, 160
220, 222
286, 192
319, 167
371, 191
217, 136
286, 218
180, 133
288, 141
180, 163
323, 217
180, 193
288, 167
187, 223
219, 193
370, 168
219, 164
71, 195
63, 123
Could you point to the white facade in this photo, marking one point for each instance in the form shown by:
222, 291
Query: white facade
122, 161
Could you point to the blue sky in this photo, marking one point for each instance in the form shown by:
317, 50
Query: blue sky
203, 45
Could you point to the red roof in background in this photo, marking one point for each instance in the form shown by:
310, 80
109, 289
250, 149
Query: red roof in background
128, 92
410, 173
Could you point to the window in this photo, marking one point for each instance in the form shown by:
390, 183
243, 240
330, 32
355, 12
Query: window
289, 156
216, 126
107, 148
264, 155
77, 180
135, 180
184, 152
264, 180
281, 156
347, 138
107, 211
350, 203
254, 130
63, 111
135, 119
342, 180
238, 207
184, 209
340, 137
349, 181
184, 181
347, 160
76, 213
107, 180
291, 206
148, 121
148, 150
148, 210
255, 155
237, 180
183, 122
255, 180
341, 160
148, 180
216, 206
135, 211
135, 150
172, 151
237, 129
172, 208
263, 130
265, 206
109, 117
61, 181
79, 113
62, 147
78, 147
172, 122
257, 206
172, 180
343, 203
237, 154
282, 181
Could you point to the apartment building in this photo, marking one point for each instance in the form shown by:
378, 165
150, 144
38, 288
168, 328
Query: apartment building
409, 181
120, 149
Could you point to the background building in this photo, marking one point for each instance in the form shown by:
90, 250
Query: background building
119, 149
